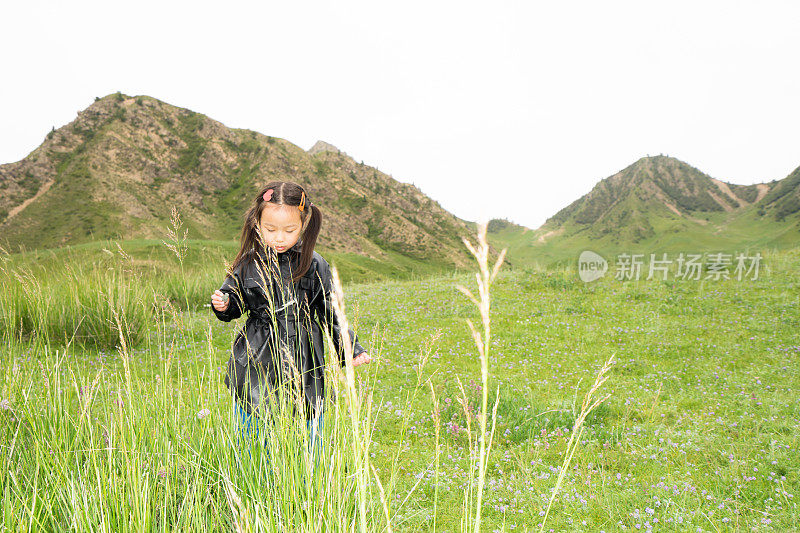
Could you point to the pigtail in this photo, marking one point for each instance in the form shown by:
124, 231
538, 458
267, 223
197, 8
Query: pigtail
311, 227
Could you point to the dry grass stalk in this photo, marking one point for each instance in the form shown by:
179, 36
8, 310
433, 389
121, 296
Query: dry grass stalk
484, 280
437, 421
361, 472
383, 500
241, 518
588, 405
177, 241
123, 351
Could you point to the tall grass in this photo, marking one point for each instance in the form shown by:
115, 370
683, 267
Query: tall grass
73, 298
76, 304
143, 439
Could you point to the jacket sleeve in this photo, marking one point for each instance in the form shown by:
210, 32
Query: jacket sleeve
327, 314
232, 286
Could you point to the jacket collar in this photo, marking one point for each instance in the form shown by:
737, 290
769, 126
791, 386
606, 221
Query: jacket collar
293, 253
296, 249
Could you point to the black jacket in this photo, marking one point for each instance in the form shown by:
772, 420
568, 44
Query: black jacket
282, 337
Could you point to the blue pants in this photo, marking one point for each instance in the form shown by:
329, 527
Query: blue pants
245, 422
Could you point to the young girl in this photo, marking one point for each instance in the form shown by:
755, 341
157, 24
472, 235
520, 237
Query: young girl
286, 288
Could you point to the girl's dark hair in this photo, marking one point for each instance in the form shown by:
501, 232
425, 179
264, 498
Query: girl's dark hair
287, 193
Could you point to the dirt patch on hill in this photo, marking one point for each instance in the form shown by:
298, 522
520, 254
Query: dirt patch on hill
763, 189
723, 187
552, 233
43, 189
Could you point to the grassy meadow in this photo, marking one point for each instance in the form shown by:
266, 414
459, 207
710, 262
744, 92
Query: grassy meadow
114, 415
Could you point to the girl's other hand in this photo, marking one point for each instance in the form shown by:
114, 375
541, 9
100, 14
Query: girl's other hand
361, 359
220, 301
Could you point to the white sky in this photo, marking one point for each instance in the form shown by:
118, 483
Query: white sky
495, 109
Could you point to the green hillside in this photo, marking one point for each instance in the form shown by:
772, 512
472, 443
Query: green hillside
660, 204
117, 170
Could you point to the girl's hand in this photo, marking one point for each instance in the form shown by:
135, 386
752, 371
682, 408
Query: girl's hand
220, 301
361, 359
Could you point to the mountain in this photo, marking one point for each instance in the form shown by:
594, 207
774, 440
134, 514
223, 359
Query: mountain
622, 207
783, 199
660, 203
322, 146
117, 169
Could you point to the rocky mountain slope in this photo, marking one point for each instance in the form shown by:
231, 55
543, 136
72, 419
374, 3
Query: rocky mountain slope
660, 193
660, 203
119, 167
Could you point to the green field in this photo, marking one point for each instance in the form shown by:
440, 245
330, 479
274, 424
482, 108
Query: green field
700, 431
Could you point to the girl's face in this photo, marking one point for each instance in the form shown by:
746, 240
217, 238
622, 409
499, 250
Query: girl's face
280, 226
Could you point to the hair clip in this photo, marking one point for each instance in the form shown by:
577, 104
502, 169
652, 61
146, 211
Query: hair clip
268, 195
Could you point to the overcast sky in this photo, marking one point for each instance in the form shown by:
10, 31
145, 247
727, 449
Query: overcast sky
495, 109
